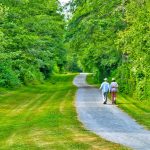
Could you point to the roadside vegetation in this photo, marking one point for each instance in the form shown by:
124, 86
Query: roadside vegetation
44, 117
111, 38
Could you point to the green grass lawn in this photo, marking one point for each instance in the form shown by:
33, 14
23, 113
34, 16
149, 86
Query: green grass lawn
139, 110
43, 117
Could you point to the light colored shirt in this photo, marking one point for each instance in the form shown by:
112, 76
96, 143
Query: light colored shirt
113, 87
105, 87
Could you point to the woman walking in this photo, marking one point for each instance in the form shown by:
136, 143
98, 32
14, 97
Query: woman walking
113, 90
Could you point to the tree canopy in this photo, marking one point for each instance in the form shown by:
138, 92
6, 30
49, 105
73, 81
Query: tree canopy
31, 33
111, 38
108, 38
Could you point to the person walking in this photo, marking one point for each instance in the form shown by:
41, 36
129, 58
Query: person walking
105, 89
113, 90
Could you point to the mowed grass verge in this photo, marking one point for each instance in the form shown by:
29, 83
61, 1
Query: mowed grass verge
43, 117
139, 110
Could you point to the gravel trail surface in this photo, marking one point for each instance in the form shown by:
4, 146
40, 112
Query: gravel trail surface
108, 121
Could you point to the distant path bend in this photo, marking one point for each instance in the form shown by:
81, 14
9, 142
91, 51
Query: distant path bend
108, 121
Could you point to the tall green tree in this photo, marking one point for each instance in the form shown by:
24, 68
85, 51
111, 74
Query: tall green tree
111, 38
33, 31
92, 32
134, 42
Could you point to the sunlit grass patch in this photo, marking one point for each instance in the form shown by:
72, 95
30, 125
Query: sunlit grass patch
139, 110
44, 117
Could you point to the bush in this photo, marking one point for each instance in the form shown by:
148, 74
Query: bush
8, 78
30, 75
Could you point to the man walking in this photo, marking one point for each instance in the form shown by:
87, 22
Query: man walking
105, 89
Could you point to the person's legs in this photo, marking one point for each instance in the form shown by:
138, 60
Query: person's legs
105, 97
113, 95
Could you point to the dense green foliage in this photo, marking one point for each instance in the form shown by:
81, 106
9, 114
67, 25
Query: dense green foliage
111, 38
93, 31
134, 41
108, 38
43, 117
31, 35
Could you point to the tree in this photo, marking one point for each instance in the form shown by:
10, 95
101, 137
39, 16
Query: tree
33, 33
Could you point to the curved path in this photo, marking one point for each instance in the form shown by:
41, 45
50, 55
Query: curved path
108, 121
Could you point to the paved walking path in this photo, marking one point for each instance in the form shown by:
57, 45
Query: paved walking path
108, 121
